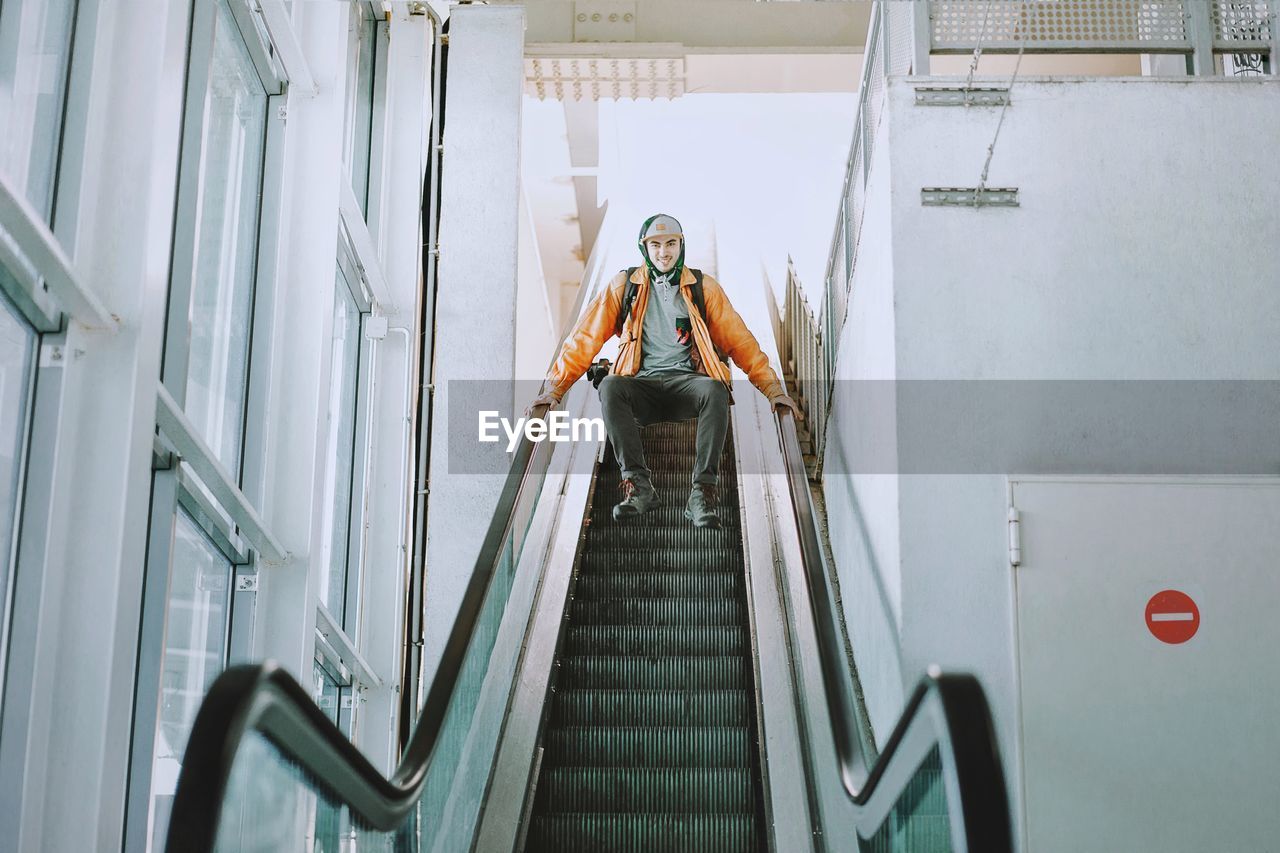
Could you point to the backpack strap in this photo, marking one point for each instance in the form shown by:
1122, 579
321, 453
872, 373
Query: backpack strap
628, 297
699, 301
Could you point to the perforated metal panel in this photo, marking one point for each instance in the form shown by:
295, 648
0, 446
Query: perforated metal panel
899, 23
575, 79
858, 201
1059, 25
1242, 25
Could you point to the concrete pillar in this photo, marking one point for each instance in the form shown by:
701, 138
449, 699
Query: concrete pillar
476, 299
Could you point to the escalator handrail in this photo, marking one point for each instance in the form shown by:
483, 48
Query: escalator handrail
266, 699
946, 710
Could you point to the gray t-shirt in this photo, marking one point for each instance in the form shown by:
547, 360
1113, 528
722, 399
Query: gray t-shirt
666, 339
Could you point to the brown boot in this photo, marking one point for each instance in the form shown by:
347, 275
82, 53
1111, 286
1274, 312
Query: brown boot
701, 508
638, 497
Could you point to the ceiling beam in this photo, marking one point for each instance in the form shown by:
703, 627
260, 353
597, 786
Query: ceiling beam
616, 28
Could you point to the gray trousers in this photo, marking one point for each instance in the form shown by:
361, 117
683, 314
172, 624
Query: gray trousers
630, 402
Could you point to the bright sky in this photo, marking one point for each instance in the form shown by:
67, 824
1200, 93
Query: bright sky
762, 173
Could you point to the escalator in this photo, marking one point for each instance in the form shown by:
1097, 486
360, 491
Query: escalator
649, 721
616, 687
651, 741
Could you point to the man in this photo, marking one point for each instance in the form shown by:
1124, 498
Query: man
667, 367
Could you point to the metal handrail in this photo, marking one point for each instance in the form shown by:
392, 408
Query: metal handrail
946, 710
266, 699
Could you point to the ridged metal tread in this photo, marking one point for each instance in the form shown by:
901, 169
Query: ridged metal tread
622, 559
660, 640
674, 486
649, 746
674, 459
692, 790
658, 611
650, 741
643, 833
623, 707
925, 833
693, 540
647, 673
600, 585
669, 514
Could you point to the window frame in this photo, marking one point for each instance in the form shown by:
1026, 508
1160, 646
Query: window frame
8, 12
188, 477
360, 14
39, 277
352, 274
39, 281
22, 459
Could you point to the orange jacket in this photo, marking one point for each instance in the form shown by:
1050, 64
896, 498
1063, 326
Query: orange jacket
723, 329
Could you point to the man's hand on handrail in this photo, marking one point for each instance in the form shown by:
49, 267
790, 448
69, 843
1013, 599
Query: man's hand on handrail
547, 399
782, 402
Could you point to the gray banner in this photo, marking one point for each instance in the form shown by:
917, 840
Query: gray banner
1129, 427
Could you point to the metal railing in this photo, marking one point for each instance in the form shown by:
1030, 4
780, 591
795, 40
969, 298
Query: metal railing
1197, 29
946, 712
889, 50
801, 345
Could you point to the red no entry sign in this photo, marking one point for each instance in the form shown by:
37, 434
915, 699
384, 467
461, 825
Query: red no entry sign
1172, 616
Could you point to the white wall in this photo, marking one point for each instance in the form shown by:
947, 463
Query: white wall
476, 305
1144, 248
536, 336
862, 507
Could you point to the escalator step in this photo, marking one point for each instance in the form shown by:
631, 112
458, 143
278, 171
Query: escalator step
650, 673
658, 585
664, 640
685, 536
620, 559
916, 832
669, 514
924, 794
599, 746
654, 707
650, 739
643, 833
659, 611
672, 457
676, 484
696, 790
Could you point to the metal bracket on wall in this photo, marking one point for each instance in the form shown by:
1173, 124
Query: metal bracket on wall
961, 96
969, 196
247, 582
1015, 537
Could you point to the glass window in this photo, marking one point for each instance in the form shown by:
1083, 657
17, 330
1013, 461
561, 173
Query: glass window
328, 693
17, 353
35, 53
340, 574
195, 652
231, 155
360, 88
